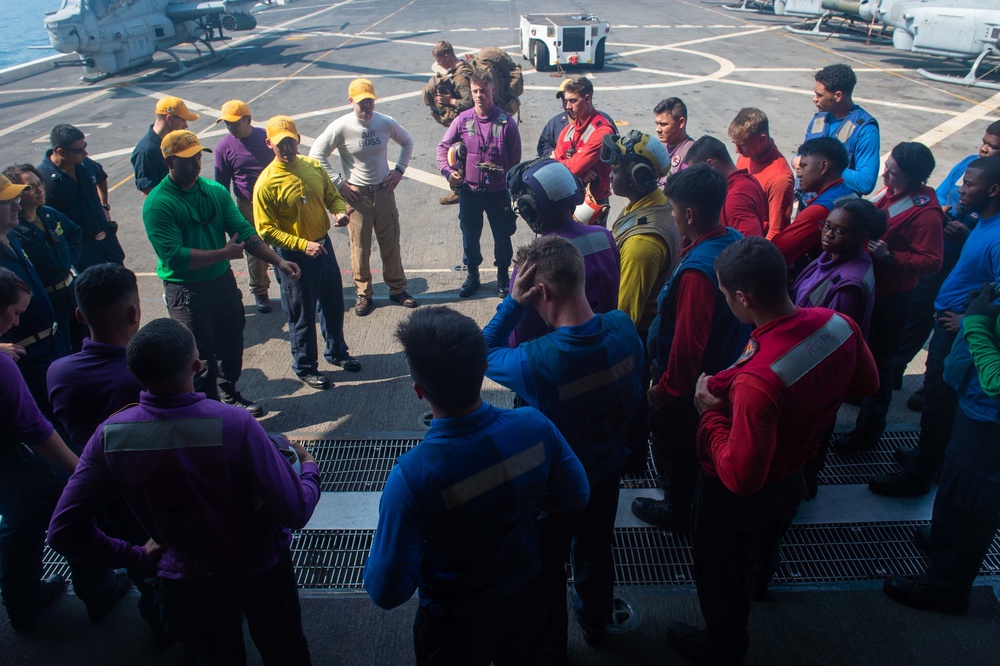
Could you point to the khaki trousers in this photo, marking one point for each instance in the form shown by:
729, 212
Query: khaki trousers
376, 211
260, 281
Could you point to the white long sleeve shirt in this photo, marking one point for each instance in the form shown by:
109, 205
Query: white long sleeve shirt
362, 147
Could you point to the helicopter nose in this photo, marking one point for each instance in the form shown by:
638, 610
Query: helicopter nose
64, 37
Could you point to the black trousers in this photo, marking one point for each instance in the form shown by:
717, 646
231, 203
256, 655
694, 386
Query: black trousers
588, 536
940, 406
207, 616
736, 541
674, 448
213, 311
888, 320
508, 632
966, 509
318, 294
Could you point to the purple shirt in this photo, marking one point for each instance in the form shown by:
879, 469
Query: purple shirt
494, 138
845, 284
240, 161
87, 387
20, 420
202, 478
602, 264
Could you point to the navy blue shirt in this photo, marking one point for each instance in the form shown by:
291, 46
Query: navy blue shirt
39, 316
147, 162
78, 199
53, 251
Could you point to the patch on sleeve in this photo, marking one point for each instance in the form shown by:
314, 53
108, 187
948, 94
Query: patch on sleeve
748, 352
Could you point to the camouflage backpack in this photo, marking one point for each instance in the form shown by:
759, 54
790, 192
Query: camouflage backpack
506, 74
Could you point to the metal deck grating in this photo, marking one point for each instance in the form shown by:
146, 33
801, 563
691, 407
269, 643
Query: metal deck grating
363, 465
335, 559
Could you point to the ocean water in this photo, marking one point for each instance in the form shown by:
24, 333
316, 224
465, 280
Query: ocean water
22, 28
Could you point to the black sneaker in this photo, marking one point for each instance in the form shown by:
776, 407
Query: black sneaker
899, 484
855, 441
915, 403
48, 591
662, 513
99, 610
470, 286
696, 645
262, 302
503, 284
234, 397
911, 592
318, 382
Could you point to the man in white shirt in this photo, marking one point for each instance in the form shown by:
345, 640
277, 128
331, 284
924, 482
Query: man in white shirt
361, 139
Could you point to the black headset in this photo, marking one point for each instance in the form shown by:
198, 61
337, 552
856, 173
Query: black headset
523, 200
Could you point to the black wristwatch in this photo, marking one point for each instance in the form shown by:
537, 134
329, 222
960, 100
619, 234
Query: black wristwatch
106, 206
889, 257
401, 171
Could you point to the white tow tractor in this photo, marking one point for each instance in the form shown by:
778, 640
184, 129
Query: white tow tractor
553, 40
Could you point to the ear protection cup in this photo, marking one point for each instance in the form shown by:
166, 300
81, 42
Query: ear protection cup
643, 176
522, 199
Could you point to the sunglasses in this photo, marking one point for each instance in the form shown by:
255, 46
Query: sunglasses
76, 151
10, 202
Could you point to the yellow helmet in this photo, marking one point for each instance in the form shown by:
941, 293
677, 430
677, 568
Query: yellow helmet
636, 144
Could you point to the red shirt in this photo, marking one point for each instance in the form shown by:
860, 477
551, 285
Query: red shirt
781, 395
580, 151
775, 176
692, 327
803, 235
746, 204
915, 238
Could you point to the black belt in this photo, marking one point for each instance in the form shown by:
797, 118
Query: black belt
60, 285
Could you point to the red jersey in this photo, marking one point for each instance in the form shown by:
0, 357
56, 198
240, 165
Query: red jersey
746, 204
781, 395
915, 237
775, 176
579, 148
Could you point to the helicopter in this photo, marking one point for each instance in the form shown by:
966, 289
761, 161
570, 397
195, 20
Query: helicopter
112, 36
951, 29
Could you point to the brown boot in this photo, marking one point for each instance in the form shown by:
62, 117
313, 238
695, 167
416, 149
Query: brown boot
449, 199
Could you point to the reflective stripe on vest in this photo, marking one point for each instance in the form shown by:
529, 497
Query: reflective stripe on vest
163, 435
817, 295
493, 476
495, 130
590, 243
901, 207
846, 130
818, 125
604, 377
809, 353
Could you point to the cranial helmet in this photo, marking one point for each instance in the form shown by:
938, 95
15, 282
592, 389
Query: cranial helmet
536, 186
644, 157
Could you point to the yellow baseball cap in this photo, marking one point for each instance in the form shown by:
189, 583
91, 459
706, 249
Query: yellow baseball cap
174, 106
233, 110
562, 88
9, 190
361, 89
181, 143
281, 127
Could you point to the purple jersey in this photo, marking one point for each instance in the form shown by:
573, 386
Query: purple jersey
845, 284
602, 264
87, 387
204, 481
20, 420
